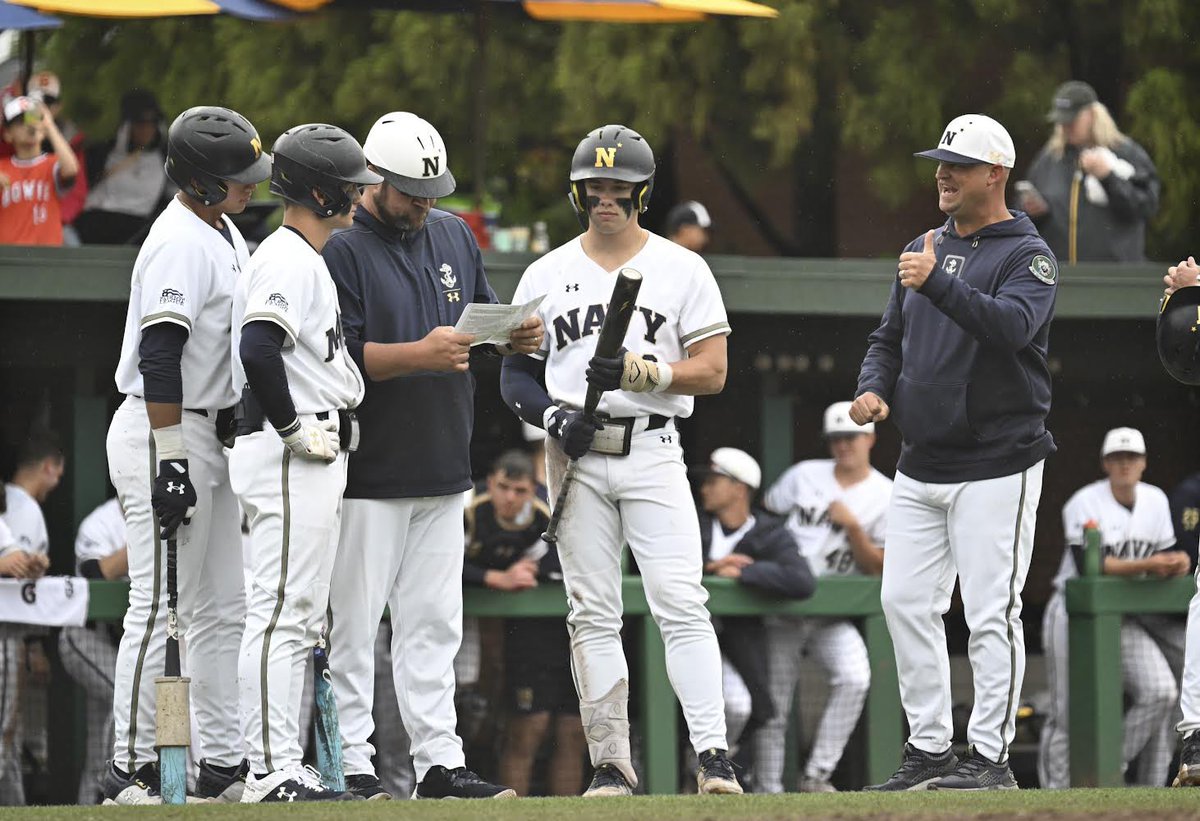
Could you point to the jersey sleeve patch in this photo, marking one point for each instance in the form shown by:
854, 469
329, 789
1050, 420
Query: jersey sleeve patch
1044, 268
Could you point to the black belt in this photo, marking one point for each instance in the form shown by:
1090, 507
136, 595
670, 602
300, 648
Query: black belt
197, 411
657, 421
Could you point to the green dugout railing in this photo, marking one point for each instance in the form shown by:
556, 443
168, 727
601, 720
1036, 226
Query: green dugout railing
1095, 606
851, 598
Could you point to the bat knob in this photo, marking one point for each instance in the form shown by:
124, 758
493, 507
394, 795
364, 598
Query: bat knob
549, 538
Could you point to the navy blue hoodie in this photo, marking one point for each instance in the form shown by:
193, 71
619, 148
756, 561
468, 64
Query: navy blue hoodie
962, 361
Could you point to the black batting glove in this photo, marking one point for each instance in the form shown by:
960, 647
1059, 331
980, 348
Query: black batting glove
574, 431
173, 497
604, 373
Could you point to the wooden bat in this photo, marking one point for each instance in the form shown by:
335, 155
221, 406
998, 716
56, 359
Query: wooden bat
329, 735
172, 725
612, 334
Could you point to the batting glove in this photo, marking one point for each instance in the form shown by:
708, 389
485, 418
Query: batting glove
318, 443
173, 496
642, 375
604, 373
574, 431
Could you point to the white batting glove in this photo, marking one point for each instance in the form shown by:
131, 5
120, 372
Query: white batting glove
645, 375
318, 442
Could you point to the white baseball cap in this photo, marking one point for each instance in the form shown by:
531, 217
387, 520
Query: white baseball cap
838, 421
973, 139
410, 154
736, 464
1123, 440
18, 107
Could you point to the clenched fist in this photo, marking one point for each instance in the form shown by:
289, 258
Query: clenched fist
868, 408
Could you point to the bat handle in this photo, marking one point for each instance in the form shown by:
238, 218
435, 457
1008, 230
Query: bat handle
551, 534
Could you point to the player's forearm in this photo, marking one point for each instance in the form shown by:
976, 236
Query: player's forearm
115, 565
867, 555
703, 372
1126, 567
387, 360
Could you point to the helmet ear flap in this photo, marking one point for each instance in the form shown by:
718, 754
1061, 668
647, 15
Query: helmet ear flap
578, 197
641, 195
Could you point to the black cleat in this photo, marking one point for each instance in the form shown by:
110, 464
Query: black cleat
1189, 762
460, 782
120, 787
975, 773
715, 775
607, 782
917, 771
367, 786
298, 783
221, 785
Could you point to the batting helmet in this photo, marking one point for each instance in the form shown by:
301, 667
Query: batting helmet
209, 146
323, 158
613, 152
1178, 335
410, 155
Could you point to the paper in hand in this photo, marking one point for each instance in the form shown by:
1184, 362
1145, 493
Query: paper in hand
491, 324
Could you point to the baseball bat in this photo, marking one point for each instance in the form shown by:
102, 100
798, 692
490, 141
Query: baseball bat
329, 735
612, 334
172, 725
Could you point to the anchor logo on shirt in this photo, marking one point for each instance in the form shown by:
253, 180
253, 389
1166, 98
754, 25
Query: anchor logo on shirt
448, 277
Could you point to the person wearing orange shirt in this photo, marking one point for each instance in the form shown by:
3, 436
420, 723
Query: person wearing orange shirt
31, 182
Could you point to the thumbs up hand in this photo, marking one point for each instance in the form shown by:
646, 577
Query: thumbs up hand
915, 266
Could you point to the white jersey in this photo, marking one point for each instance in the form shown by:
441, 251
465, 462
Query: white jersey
7, 540
1125, 533
101, 533
287, 283
184, 274
679, 304
803, 494
25, 519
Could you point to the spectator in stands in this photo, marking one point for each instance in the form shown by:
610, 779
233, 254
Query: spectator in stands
46, 87
754, 547
1091, 190
689, 225
32, 184
837, 510
1134, 520
24, 668
129, 183
505, 552
89, 653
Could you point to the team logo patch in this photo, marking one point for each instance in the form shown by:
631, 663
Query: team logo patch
448, 277
278, 301
172, 296
953, 264
1044, 269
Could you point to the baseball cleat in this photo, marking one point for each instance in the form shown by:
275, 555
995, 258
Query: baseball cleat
811, 783
120, 787
460, 782
368, 786
715, 775
298, 783
221, 785
1189, 762
917, 771
975, 773
607, 782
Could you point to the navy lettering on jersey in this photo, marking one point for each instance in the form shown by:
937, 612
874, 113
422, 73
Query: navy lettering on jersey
809, 515
654, 321
594, 321
566, 329
1130, 549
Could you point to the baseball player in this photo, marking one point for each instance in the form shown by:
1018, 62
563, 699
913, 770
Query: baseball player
167, 462
405, 272
1134, 520
289, 470
632, 485
837, 510
89, 653
960, 361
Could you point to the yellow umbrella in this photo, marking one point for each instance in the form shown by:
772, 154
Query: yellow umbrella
642, 11
122, 8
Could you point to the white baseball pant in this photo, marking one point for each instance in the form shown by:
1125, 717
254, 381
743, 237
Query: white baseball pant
212, 601
293, 507
407, 555
982, 533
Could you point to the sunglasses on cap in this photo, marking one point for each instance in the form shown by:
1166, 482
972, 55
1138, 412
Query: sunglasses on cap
26, 118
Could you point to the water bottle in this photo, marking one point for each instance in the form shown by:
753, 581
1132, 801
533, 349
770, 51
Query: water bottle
1093, 549
540, 242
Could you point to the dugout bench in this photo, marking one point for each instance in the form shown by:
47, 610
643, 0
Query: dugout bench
852, 598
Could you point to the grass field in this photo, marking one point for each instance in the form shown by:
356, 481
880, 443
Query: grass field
1096, 805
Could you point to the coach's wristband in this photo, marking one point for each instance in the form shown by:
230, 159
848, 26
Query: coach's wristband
290, 430
168, 442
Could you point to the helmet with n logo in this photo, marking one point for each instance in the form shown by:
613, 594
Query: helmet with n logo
410, 155
209, 147
1178, 335
613, 152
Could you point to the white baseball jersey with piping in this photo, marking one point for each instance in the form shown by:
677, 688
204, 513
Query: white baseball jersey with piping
184, 274
803, 494
293, 505
1150, 648
642, 499
89, 654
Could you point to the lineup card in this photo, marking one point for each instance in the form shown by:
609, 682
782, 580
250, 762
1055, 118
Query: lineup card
491, 324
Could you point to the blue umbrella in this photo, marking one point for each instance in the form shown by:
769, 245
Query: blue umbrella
23, 19
258, 10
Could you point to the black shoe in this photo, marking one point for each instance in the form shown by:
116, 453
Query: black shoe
142, 787
221, 785
974, 773
367, 786
292, 784
715, 775
1189, 762
458, 783
608, 781
917, 771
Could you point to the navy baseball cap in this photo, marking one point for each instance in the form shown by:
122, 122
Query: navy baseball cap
1071, 98
974, 139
